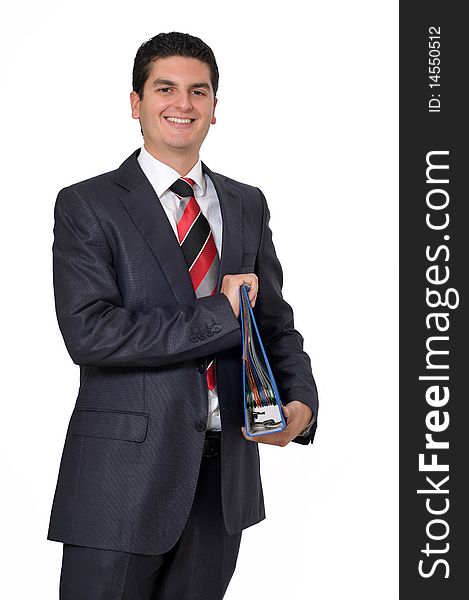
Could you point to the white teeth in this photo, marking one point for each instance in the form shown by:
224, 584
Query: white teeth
176, 120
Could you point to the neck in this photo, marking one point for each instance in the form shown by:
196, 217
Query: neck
182, 163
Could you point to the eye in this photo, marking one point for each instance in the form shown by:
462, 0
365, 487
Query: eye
198, 92
164, 90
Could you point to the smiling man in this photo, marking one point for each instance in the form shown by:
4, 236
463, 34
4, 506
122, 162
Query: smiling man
158, 477
176, 107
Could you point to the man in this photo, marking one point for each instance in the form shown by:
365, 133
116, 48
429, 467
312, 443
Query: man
158, 477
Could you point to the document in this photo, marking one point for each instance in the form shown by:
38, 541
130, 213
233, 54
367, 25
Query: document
262, 405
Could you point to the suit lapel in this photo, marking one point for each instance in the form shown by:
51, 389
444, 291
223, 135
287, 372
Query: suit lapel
231, 212
145, 210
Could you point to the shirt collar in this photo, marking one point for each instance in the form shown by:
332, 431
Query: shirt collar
162, 176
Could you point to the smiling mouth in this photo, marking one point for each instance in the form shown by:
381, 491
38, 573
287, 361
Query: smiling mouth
178, 120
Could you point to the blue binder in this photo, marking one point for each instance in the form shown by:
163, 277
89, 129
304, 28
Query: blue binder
262, 405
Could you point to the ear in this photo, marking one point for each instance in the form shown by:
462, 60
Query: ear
214, 120
135, 104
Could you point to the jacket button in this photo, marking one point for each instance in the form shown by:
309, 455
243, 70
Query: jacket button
200, 426
201, 335
216, 328
193, 338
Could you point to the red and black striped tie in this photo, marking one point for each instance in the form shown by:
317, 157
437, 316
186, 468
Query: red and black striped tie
198, 247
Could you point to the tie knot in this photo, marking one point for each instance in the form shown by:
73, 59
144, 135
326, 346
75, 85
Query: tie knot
183, 187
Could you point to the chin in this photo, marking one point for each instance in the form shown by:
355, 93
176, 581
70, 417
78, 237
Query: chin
179, 144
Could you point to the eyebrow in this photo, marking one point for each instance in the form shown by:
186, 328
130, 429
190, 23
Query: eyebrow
201, 84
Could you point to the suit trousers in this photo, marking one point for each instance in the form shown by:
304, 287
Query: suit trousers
198, 567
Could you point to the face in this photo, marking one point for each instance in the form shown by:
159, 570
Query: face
177, 108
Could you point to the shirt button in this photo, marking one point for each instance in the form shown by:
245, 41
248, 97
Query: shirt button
201, 426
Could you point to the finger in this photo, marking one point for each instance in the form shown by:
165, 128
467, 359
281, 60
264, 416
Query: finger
273, 439
277, 442
291, 417
253, 295
250, 279
292, 421
246, 437
262, 439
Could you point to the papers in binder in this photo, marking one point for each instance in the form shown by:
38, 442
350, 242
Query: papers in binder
262, 405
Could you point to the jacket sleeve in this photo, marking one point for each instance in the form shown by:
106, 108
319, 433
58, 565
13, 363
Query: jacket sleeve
290, 364
96, 327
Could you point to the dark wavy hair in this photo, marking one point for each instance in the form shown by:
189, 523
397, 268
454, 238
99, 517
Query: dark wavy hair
165, 45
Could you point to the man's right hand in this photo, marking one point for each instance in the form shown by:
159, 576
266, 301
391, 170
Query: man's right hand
230, 287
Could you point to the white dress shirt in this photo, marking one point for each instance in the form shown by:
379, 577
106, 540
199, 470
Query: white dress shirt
161, 177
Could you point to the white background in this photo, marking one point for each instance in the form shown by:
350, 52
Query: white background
307, 112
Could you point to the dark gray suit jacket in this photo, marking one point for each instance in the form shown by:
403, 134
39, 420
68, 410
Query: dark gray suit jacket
129, 317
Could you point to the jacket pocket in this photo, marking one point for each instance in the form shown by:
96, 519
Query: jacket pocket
110, 424
112, 388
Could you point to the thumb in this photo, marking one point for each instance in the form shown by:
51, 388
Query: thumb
286, 411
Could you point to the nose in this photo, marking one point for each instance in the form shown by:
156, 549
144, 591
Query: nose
184, 101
